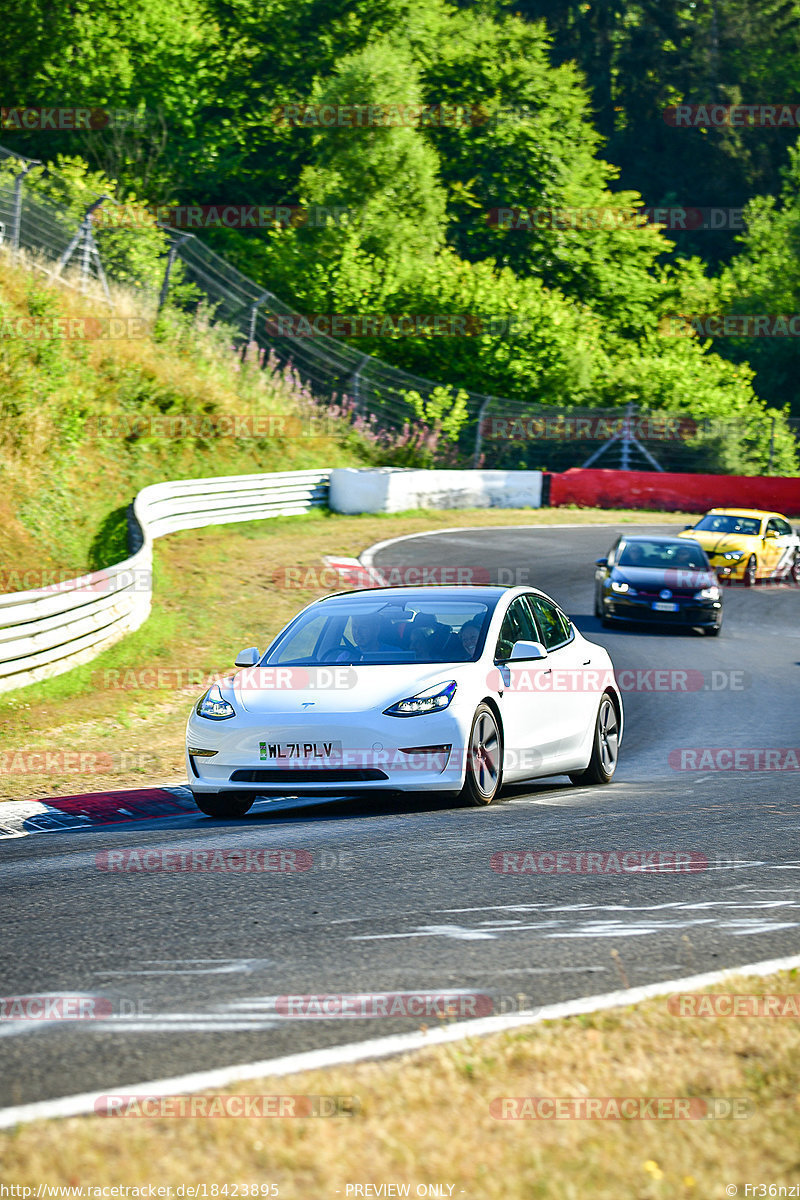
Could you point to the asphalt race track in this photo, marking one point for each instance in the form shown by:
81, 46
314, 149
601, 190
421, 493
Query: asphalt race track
401, 896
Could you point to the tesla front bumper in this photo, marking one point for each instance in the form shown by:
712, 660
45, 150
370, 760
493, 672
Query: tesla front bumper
296, 754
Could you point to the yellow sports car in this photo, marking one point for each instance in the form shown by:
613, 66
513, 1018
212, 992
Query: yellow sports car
748, 544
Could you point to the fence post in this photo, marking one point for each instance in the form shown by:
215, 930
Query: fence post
251, 333
18, 203
771, 445
84, 234
356, 377
172, 255
479, 432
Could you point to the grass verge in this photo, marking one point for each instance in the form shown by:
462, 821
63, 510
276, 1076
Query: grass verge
215, 591
425, 1117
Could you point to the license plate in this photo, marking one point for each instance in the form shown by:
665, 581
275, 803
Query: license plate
664, 606
299, 751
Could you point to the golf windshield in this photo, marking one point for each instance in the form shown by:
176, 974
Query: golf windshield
661, 555
371, 629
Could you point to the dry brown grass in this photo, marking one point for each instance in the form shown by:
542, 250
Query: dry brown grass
424, 1118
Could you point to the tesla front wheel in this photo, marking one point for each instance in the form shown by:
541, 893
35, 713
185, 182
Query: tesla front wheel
750, 572
605, 746
484, 759
223, 804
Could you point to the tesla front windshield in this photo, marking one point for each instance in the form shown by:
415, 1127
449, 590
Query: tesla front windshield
727, 523
365, 628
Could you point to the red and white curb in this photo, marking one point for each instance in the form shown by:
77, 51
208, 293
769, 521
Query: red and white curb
386, 1047
19, 818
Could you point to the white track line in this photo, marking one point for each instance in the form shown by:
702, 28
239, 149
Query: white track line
334, 1056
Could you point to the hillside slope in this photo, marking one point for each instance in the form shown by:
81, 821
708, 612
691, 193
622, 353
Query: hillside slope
95, 406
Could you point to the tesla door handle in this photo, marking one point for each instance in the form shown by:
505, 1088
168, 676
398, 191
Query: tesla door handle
586, 662
549, 671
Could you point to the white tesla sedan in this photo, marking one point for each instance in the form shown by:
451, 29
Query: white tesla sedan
429, 689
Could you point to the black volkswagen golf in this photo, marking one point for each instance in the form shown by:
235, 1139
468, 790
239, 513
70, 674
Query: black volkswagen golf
664, 580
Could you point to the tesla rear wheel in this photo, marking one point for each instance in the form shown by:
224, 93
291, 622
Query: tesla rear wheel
223, 804
750, 572
605, 747
484, 760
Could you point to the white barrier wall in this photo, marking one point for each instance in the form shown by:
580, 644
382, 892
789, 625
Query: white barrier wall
396, 489
52, 629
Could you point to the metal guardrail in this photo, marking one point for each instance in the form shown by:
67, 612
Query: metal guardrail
49, 630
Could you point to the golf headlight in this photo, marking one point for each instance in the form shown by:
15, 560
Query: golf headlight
622, 588
213, 706
709, 593
433, 700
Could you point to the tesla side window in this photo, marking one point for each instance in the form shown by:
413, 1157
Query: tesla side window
555, 628
517, 627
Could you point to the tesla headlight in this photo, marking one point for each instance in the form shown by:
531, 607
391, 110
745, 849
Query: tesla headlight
622, 588
433, 700
709, 593
213, 706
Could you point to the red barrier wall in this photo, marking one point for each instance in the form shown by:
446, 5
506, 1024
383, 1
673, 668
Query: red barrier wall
684, 493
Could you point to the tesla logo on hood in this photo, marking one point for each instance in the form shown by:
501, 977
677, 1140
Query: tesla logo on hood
308, 704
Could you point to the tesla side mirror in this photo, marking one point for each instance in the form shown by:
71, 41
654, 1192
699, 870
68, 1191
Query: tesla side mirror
527, 650
247, 658
601, 562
